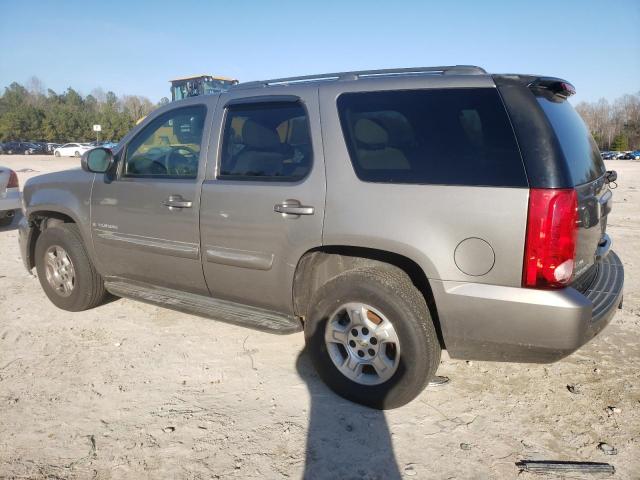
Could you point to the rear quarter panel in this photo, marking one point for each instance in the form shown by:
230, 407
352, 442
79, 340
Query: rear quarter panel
422, 222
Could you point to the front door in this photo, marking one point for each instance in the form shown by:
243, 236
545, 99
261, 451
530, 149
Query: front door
263, 197
145, 220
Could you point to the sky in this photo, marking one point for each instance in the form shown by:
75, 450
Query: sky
136, 47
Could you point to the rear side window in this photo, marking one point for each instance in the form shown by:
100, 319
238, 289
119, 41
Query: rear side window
446, 137
266, 142
578, 146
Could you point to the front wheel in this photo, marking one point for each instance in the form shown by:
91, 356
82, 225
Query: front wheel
65, 270
57, 154
77, 154
371, 338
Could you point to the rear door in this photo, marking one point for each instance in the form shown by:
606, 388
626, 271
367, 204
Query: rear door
263, 198
586, 172
145, 219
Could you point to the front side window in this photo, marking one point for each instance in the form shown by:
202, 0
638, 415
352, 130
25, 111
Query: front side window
169, 146
266, 141
446, 137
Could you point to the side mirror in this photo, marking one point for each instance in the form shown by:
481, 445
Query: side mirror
97, 160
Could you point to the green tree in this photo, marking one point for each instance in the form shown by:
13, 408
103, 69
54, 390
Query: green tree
620, 143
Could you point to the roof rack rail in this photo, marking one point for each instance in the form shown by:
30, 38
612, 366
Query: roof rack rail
355, 75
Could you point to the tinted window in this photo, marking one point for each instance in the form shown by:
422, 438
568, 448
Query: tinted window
453, 137
578, 146
266, 142
169, 146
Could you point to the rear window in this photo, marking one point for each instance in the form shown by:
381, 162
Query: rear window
578, 146
446, 137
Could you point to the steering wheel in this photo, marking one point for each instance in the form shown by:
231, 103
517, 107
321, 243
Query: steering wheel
179, 163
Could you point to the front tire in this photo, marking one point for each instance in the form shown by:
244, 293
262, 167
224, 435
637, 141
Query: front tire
371, 338
57, 154
65, 271
77, 154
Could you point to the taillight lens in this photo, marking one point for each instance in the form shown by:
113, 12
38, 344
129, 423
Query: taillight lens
552, 228
13, 180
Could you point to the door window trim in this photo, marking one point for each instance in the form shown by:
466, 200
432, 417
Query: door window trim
122, 154
262, 101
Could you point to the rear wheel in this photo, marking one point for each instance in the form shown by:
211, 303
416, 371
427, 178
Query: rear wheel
65, 270
57, 154
371, 338
77, 154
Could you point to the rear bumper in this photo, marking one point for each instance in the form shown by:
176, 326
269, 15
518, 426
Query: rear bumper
10, 201
490, 322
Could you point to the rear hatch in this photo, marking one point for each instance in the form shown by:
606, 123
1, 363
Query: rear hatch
586, 172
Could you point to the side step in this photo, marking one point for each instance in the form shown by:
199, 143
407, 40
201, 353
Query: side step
208, 307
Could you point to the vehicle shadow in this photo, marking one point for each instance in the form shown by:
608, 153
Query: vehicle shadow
14, 223
344, 439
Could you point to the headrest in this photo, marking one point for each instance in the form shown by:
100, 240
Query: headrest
258, 136
370, 133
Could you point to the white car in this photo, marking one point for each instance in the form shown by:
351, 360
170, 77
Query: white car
9, 196
71, 150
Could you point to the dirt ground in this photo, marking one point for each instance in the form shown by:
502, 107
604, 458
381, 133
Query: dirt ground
133, 391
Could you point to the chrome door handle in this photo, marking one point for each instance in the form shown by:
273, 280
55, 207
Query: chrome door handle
176, 201
293, 207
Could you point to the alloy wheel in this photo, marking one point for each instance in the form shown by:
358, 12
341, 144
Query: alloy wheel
59, 270
362, 343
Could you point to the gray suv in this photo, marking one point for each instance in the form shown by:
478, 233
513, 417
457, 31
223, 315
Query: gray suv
388, 214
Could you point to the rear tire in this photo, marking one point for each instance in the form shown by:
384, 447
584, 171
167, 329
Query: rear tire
77, 154
87, 287
57, 154
388, 293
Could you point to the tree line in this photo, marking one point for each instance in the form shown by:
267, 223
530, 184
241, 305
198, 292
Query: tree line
614, 126
29, 112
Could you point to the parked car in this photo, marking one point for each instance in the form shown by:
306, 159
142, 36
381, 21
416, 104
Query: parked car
335, 204
71, 150
636, 155
51, 147
35, 148
110, 145
9, 195
22, 148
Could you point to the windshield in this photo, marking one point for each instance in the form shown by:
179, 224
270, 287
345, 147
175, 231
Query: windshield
578, 146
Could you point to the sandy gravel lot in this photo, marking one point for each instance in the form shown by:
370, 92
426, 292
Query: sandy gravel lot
132, 391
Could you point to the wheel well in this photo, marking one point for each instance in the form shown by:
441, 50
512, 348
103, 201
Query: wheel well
319, 265
41, 221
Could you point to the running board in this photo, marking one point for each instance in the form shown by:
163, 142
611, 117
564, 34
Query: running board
208, 307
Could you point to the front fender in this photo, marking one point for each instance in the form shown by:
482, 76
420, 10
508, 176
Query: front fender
63, 194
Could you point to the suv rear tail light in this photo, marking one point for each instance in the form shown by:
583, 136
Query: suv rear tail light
550, 246
13, 180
